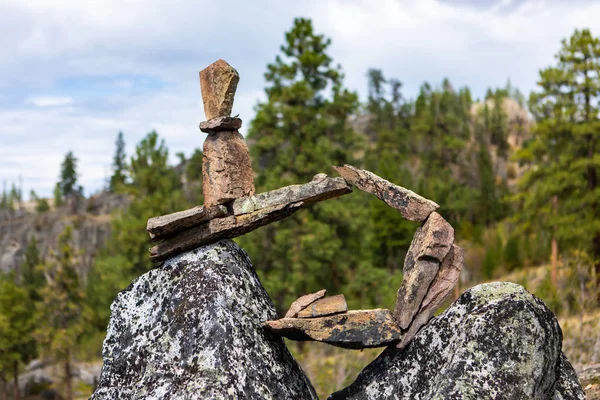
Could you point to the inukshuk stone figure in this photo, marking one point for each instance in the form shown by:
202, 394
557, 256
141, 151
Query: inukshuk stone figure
431, 268
226, 166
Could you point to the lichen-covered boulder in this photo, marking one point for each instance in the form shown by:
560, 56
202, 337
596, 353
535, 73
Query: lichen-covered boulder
497, 341
192, 329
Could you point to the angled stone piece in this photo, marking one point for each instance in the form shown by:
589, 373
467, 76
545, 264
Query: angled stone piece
358, 329
314, 191
220, 228
317, 190
412, 206
326, 306
218, 83
226, 168
441, 287
429, 247
171, 224
221, 124
302, 302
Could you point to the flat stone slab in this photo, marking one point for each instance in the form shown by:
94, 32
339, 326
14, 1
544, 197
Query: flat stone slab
170, 224
218, 83
429, 247
359, 329
221, 124
412, 206
218, 229
304, 301
441, 287
320, 188
326, 306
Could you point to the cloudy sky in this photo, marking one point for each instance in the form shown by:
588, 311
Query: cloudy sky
75, 72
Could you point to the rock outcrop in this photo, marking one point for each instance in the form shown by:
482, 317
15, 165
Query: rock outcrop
192, 329
497, 341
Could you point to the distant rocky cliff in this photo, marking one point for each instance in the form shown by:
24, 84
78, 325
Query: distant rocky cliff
91, 229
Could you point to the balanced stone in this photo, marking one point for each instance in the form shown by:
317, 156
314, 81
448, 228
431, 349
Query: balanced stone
429, 247
167, 226
302, 302
314, 191
221, 124
358, 329
171, 224
218, 229
326, 306
226, 168
441, 287
218, 83
411, 206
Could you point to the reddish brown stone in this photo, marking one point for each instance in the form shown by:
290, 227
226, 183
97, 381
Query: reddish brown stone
429, 247
326, 306
218, 83
441, 287
302, 302
226, 168
358, 329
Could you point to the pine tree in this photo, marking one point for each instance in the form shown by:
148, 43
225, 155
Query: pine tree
156, 189
119, 164
32, 278
58, 196
300, 131
61, 309
17, 322
560, 194
4, 200
68, 176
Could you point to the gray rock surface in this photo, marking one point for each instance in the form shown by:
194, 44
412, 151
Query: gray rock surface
497, 341
192, 329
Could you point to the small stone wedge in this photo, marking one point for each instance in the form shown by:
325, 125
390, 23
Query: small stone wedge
220, 124
412, 206
429, 247
326, 306
304, 301
359, 329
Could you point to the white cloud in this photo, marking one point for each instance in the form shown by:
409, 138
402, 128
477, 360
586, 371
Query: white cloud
46, 43
49, 101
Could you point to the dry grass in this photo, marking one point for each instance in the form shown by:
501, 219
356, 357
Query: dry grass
581, 338
330, 368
